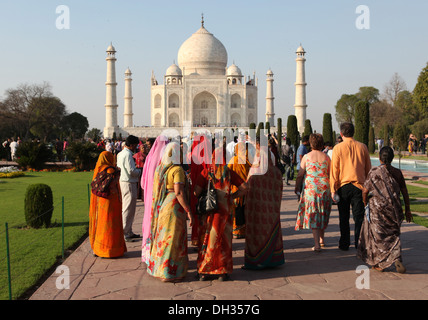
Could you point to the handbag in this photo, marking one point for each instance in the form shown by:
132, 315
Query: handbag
207, 201
101, 184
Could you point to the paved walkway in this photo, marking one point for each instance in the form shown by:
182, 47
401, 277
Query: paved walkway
306, 275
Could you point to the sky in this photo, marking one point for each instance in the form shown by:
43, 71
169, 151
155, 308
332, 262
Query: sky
258, 36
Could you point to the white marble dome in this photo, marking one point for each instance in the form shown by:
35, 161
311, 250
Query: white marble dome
233, 70
202, 53
173, 70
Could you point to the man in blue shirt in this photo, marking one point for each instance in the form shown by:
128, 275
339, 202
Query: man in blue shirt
301, 151
129, 179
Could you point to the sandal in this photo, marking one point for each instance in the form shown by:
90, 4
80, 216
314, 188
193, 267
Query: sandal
400, 267
315, 249
377, 268
223, 277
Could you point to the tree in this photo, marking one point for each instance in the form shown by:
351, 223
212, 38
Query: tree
387, 135
409, 111
401, 134
292, 131
420, 93
362, 122
327, 129
267, 126
260, 129
46, 117
345, 108
308, 128
94, 134
393, 89
15, 108
368, 94
279, 124
371, 145
75, 125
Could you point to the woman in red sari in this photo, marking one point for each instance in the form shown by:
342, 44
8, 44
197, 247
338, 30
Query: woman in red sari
215, 251
200, 159
105, 215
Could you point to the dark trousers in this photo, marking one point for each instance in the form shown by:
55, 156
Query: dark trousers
350, 196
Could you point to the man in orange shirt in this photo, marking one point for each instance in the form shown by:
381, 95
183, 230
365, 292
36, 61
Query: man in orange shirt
350, 166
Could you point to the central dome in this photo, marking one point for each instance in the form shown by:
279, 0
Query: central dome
203, 54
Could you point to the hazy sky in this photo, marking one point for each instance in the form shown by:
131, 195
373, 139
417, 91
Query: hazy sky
258, 35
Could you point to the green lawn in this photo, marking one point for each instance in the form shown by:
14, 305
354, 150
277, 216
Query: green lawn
34, 252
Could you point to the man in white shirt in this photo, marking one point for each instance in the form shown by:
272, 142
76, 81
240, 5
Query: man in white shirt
13, 146
129, 176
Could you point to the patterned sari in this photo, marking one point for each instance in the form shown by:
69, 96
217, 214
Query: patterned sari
263, 241
380, 243
150, 165
105, 216
241, 165
215, 251
168, 259
199, 161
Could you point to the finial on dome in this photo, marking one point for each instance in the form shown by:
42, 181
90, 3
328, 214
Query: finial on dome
203, 21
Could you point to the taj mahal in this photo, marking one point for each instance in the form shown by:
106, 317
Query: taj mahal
200, 91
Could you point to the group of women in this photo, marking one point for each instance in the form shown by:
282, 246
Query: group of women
249, 195
174, 176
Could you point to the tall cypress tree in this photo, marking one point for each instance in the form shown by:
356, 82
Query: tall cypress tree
371, 145
327, 129
362, 122
279, 121
292, 131
308, 128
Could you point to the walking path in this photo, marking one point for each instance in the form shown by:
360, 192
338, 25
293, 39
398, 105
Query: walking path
306, 275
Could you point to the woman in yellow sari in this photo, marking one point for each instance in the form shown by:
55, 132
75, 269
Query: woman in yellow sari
241, 165
168, 259
105, 215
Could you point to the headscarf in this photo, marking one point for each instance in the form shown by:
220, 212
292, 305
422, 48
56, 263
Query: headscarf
152, 161
105, 159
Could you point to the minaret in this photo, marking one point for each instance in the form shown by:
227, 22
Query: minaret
111, 97
128, 115
300, 106
270, 112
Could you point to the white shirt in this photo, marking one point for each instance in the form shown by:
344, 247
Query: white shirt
128, 171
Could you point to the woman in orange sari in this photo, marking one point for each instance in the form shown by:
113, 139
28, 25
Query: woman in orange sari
215, 250
241, 165
105, 215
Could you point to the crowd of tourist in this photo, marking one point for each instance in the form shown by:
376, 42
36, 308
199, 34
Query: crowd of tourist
171, 176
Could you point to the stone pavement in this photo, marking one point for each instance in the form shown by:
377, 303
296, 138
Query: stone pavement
329, 275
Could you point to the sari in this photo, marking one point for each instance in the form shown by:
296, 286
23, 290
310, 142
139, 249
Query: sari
105, 216
199, 161
168, 258
379, 243
241, 165
215, 251
263, 240
147, 178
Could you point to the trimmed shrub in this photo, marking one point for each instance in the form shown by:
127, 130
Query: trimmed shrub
38, 206
33, 155
83, 155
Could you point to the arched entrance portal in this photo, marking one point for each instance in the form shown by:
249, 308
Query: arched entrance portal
204, 110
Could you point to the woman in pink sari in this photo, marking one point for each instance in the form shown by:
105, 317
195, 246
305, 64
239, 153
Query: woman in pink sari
152, 161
